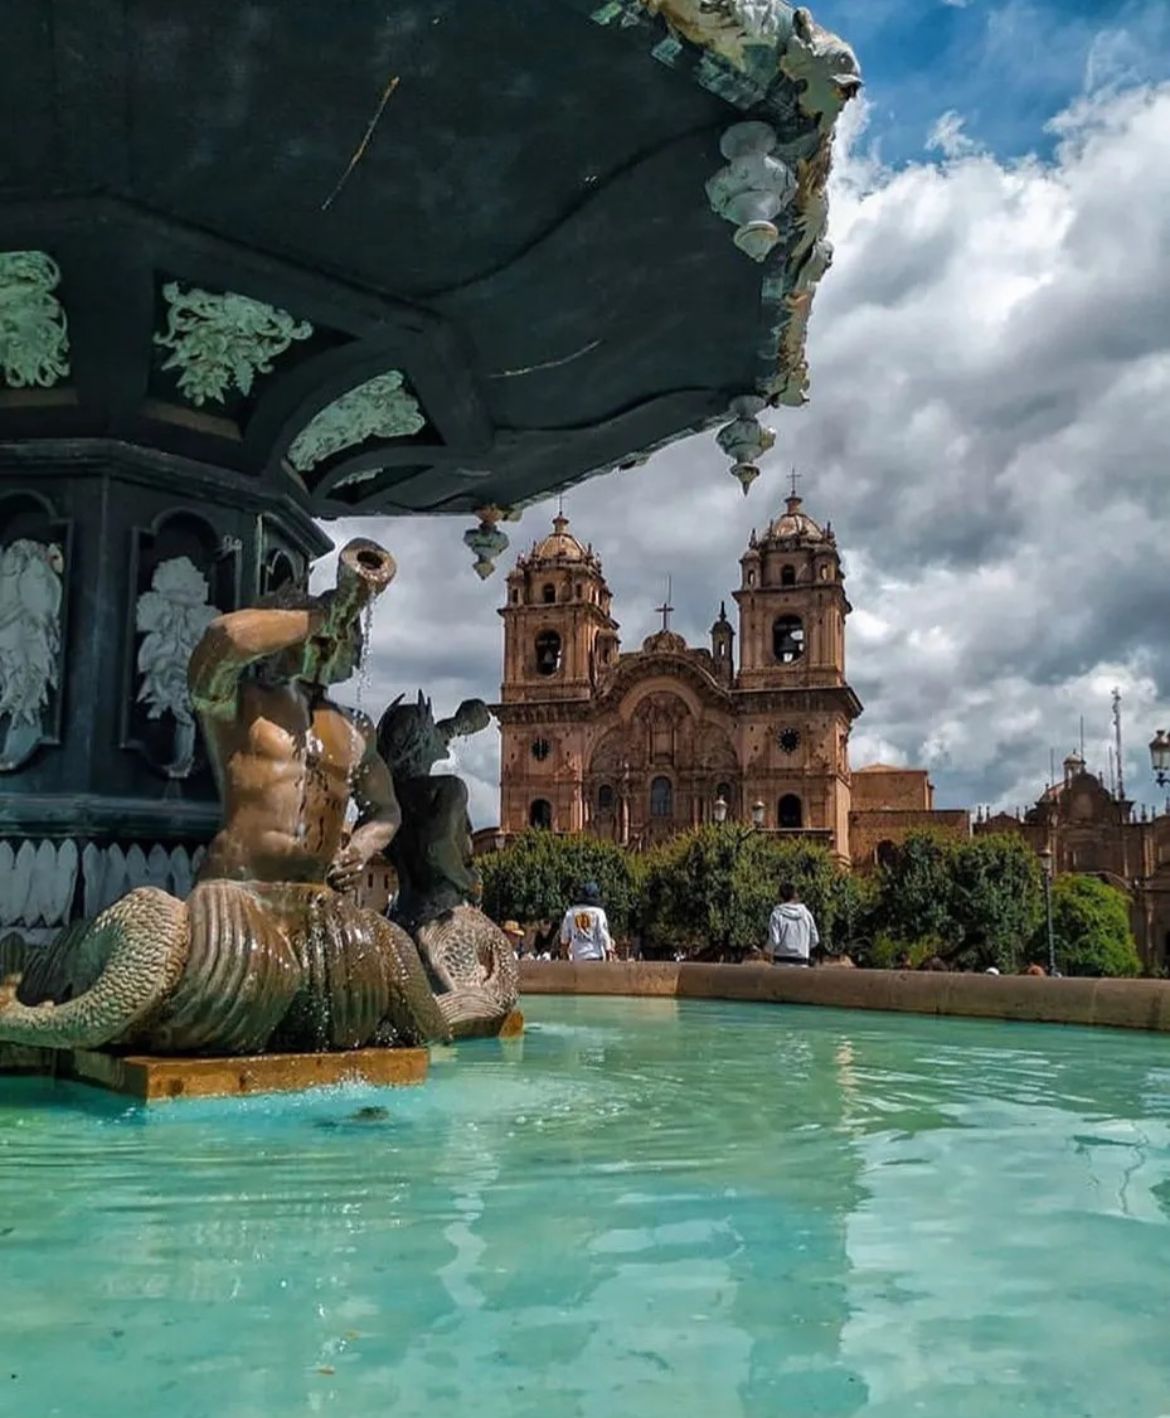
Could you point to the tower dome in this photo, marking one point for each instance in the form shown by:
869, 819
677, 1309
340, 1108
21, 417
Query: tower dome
560, 544
795, 525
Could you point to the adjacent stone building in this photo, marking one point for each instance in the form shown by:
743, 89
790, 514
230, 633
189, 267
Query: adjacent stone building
1093, 831
637, 746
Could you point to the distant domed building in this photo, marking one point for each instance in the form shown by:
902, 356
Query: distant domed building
637, 746
1092, 830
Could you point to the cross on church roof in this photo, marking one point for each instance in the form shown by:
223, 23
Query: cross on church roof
665, 609
795, 479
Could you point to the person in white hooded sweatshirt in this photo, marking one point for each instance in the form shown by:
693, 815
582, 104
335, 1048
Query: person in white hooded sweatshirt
792, 932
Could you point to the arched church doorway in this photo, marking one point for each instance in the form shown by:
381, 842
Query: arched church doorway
789, 812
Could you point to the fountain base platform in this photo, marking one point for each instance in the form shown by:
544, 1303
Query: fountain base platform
152, 1079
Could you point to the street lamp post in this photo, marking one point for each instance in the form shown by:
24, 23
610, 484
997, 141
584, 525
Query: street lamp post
1046, 864
1160, 758
720, 810
758, 811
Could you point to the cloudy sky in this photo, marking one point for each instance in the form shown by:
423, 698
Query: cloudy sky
988, 427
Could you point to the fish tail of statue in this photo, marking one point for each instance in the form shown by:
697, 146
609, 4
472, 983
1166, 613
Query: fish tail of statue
241, 974
413, 1014
472, 1011
110, 974
475, 967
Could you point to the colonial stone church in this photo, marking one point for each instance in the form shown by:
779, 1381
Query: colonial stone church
1092, 829
636, 746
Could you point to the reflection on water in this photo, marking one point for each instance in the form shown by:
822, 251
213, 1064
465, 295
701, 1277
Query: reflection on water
642, 1207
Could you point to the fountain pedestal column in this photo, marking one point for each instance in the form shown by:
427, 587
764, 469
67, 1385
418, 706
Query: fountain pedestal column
112, 560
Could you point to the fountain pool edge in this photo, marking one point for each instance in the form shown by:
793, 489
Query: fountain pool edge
1119, 1004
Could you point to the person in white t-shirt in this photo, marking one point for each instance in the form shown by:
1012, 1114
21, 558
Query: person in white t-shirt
585, 929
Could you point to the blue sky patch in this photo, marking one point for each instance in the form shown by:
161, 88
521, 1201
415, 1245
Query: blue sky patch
1007, 67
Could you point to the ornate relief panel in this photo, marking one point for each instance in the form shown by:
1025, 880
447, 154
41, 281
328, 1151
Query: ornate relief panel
219, 343
34, 559
183, 574
34, 338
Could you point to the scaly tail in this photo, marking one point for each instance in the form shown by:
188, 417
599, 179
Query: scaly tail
133, 953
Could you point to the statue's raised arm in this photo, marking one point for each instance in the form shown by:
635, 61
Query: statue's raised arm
306, 641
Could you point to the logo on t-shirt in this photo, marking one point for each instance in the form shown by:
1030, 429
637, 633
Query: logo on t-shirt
583, 922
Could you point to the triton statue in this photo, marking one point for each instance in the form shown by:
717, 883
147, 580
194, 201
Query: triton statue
265, 953
469, 959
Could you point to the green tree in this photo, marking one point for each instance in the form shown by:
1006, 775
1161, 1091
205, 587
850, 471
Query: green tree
1091, 927
974, 903
996, 901
711, 890
914, 890
539, 874
855, 924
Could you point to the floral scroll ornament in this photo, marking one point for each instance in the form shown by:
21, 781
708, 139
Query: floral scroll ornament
34, 343
172, 617
379, 408
30, 644
220, 342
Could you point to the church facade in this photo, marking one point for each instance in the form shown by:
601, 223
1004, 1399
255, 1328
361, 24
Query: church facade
755, 726
1094, 831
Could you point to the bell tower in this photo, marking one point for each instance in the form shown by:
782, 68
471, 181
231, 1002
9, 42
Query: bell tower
558, 631
797, 704
723, 649
559, 639
792, 604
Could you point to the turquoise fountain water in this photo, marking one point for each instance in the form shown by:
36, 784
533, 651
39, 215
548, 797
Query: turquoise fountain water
641, 1208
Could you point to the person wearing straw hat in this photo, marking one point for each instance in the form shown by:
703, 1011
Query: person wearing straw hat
515, 933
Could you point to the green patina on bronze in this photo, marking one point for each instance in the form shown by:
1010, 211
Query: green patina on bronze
379, 408
221, 342
34, 339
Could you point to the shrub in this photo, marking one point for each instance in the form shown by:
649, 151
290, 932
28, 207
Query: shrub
914, 889
996, 901
538, 876
711, 890
1091, 927
974, 904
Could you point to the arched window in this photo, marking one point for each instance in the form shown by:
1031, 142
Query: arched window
548, 594
605, 798
580, 588
787, 638
541, 748
788, 576
661, 798
789, 812
724, 791
540, 813
884, 853
515, 596
548, 652
278, 571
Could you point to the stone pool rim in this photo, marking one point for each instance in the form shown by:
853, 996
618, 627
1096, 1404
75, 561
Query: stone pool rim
1109, 1003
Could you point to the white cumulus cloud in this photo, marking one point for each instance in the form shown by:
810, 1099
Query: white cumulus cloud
987, 433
